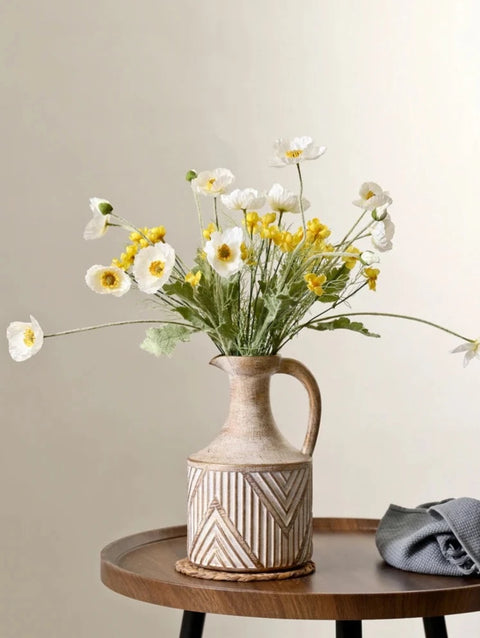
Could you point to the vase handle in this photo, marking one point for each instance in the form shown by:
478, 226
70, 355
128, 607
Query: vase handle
303, 374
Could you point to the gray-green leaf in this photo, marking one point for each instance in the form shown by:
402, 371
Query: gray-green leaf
343, 323
162, 341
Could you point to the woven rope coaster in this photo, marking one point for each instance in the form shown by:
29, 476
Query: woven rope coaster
184, 566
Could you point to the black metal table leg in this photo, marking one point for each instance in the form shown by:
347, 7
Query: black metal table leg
435, 627
192, 624
348, 629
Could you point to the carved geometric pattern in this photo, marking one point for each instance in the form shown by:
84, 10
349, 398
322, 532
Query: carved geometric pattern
249, 521
217, 542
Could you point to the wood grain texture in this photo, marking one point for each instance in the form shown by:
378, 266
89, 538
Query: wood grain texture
351, 581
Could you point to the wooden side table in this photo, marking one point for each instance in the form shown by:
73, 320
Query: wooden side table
351, 583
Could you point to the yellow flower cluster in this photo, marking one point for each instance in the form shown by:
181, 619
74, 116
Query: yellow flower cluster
193, 278
140, 239
247, 254
262, 225
317, 233
315, 283
286, 240
207, 232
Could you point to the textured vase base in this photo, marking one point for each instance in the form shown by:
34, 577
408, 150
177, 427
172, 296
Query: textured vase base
184, 566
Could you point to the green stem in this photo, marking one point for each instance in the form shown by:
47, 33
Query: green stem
352, 228
301, 201
114, 323
397, 316
215, 208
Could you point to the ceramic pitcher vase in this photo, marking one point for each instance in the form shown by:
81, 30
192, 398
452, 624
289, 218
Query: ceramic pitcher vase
250, 490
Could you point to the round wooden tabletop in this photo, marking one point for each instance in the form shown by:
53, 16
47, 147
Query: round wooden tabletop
351, 581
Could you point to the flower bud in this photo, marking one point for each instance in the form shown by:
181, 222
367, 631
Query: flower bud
368, 258
379, 216
191, 174
105, 208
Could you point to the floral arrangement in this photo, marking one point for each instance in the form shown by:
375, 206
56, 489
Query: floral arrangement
256, 283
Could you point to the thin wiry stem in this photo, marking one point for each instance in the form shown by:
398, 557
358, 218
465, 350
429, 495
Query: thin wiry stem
113, 323
398, 316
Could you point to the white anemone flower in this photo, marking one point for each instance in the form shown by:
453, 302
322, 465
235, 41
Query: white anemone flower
295, 150
213, 183
471, 350
97, 226
224, 253
243, 199
24, 339
382, 233
153, 266
108, 280
372, 196
282, 200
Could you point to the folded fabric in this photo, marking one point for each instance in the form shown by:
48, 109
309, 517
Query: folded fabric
434, 538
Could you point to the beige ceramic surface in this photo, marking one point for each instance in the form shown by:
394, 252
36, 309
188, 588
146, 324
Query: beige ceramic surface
250, 491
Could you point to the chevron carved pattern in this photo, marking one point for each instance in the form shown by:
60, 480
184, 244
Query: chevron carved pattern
249, 521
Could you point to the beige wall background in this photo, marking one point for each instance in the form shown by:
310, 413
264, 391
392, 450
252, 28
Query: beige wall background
118, 99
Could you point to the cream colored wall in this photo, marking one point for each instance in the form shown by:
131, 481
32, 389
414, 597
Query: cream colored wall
117, 99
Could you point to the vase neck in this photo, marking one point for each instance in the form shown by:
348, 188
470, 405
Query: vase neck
249, 435
250, 414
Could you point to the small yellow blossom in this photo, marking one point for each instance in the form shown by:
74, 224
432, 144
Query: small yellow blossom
316, 232
350, 262
156, 234
251, 222
268, 219
372, 275
247, 254
287, 241
135, 236
269, 232
207, 232
127, 257
315, 283
193, 278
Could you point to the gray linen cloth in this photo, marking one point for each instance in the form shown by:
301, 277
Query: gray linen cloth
434, 538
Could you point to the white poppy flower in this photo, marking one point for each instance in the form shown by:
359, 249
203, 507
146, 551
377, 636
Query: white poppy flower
296, 150
153, 266
282, 200
224, 253
214, 182
246, 199
382, 233
368, 258
97, 226
471, 350
372, 196
24, 339
108, 280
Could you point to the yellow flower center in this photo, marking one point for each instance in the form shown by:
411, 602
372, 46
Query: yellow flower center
210, 183
156, 268
110, 279
28, 337
224, 253
369, 195
294, 153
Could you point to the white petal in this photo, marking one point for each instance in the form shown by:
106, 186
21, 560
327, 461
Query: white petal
93, 279
18, 349
461, 348
146, 281
96, 227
